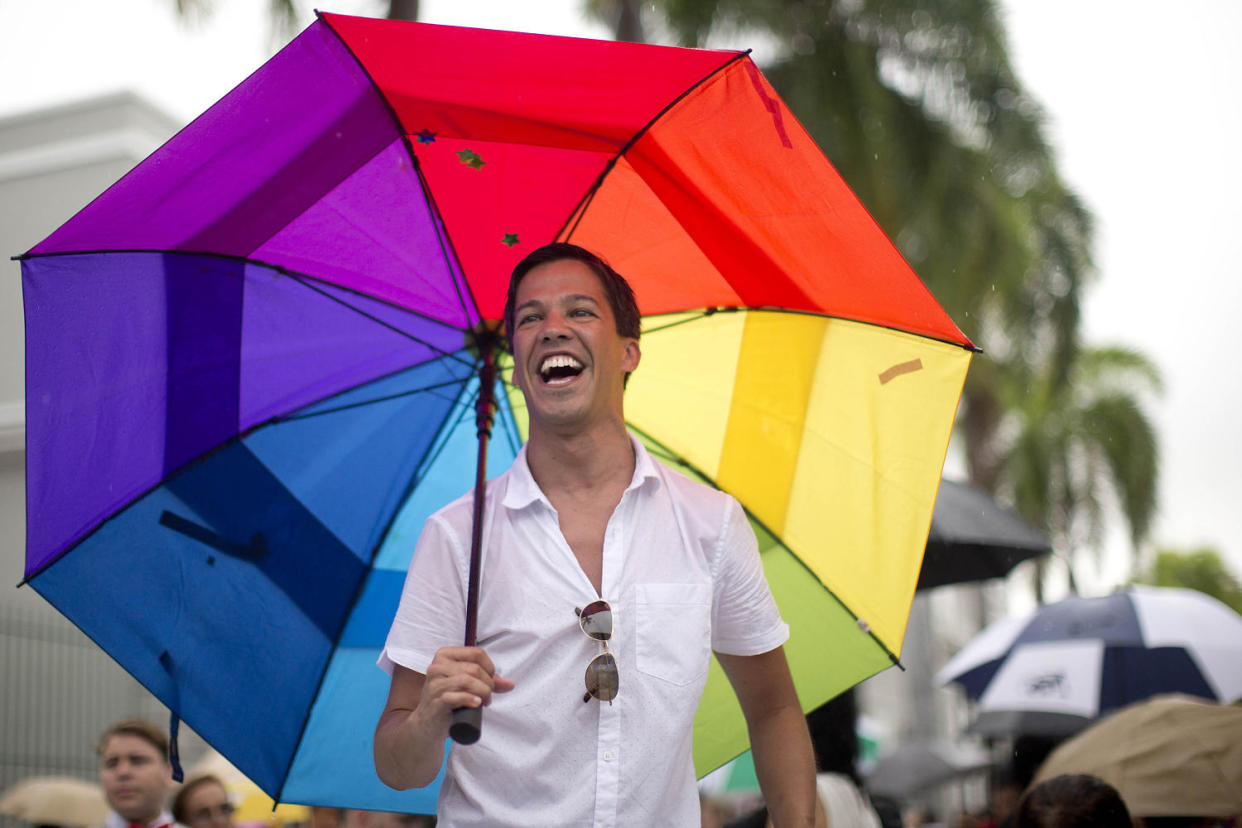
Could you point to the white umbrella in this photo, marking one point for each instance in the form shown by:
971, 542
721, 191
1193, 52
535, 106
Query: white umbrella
1056, 670
55, 800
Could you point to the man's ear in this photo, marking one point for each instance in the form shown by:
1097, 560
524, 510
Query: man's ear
633, 354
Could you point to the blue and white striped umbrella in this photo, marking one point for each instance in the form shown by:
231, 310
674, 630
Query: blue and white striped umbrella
1053, 672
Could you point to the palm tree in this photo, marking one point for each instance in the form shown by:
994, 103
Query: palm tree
1077, 442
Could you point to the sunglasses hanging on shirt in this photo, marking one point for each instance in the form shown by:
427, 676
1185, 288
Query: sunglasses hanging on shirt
601, 674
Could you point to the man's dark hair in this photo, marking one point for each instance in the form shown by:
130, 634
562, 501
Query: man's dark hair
620, 294
1072, 801
136, 727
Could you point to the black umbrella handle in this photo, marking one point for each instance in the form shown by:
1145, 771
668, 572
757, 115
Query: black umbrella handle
467, 725
468, 721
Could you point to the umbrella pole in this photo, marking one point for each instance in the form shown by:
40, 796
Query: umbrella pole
468, 721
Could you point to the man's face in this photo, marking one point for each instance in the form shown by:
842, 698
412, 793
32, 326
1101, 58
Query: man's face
134, 776
569, 359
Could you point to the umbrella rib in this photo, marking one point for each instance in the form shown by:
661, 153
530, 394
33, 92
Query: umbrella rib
430, 346
446, 244
433, 387
241, 435
435, 449
448, 250
438, 444
575, 216
666, 452
699, 315
304, 279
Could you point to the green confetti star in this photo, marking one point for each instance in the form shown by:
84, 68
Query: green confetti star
510, 239
471, 159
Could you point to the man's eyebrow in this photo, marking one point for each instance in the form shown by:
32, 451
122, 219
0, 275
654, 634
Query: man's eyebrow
568, 298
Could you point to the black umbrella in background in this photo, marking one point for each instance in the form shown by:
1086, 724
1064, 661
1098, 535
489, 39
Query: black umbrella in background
974, 538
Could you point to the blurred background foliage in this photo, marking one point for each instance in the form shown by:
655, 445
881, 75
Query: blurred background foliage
1200, 568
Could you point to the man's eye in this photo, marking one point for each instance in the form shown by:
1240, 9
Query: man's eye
581, 312
530, 317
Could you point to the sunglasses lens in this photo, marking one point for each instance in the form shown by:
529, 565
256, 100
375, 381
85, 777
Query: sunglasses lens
596, 620
601, 677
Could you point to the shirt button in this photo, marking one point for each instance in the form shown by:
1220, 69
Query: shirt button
609, 756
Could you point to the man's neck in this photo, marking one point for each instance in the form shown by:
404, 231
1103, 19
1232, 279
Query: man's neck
592, 461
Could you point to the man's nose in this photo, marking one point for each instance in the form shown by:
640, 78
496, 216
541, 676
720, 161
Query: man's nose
554, 327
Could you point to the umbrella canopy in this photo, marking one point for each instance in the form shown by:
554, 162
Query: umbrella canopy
922, 766
974, 538
1053, 672
55, 800
253, 363
1167, 756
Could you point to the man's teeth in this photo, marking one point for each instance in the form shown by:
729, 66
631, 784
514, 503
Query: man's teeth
559, 361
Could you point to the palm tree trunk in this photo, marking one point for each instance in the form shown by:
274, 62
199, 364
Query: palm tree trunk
980, 422
629, 25
402, 9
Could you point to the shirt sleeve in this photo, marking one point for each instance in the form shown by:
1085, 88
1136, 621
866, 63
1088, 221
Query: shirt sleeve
433, 600
745, 619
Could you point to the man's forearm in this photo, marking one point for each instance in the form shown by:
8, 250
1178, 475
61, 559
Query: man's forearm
408, 752
785, 766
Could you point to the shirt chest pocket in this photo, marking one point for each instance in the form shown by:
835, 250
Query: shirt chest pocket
673, 626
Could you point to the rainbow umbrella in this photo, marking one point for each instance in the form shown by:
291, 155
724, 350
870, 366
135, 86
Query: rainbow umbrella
253, 364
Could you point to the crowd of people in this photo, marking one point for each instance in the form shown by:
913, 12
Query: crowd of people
136, 776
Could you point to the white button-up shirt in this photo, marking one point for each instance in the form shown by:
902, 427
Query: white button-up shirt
682, 574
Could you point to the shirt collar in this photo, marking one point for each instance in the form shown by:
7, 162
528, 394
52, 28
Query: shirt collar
522, 490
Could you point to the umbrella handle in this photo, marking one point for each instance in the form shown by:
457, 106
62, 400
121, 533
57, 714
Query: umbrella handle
467, 723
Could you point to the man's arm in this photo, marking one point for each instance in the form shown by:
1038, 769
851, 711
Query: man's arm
779, 740
410, 735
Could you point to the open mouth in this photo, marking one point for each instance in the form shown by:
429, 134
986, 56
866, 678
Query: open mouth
559, 369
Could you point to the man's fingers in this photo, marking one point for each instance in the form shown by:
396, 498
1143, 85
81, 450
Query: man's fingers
455, 700
463, 677
475, 655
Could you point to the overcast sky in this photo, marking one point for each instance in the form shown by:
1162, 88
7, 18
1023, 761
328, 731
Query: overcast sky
1145, 108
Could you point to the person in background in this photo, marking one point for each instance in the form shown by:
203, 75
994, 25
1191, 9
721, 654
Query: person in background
386, 819
324, 817
1072, 801
1006, 790
202, 802
135, 774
